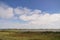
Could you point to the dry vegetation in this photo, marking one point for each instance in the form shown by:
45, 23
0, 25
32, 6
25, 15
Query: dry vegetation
17, 35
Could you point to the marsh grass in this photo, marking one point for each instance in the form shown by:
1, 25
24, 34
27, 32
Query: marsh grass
17, 35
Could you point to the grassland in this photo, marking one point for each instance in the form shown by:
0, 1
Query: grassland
17, 35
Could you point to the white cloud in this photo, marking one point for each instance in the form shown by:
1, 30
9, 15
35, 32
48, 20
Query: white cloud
44, 21
20, 10
6, 11
35, 19
40, 18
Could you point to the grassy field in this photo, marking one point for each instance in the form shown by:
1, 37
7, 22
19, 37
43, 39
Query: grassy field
17, 35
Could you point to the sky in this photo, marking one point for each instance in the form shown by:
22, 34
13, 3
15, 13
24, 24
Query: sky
29, 14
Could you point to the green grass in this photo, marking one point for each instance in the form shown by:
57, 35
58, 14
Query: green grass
17, 35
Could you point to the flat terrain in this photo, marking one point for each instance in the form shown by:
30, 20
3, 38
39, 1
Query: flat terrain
18, 35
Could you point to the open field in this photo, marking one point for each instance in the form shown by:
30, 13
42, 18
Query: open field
28, 35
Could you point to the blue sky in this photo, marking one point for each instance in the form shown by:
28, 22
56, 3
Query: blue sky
30, 14
51, 6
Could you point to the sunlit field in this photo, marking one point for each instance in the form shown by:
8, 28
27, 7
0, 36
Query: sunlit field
28, 35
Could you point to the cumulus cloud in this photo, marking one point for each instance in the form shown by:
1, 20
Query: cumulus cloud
6, 11
20, 11
43, 21
31, 19
40, 18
